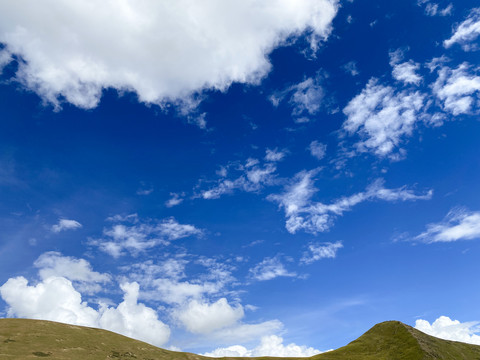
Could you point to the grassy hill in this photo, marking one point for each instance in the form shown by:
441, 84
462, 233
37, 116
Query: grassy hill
35, 339
393, 340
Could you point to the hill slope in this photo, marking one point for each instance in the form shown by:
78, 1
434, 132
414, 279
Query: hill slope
35, 339
39, 339
393, 340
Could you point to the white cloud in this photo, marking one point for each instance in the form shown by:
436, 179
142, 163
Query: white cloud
56, 299
448, 329
204, 318
52, 299
305, 98
172, 230
433, 9
459, 224
259, 175
134, 319
458, 89
161, 50
298, 194
317, 149
5, 58
65, 224
164, 280
466, 32
312, 217
271, 345
177, 292
274, 155
406, 72
174, 200
320, 251
246, 332
252, 176
351, 68
269, 269
146, 271
382, 117
54, 264
130, 234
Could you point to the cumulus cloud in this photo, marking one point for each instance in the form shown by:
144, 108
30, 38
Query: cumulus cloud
128, 233
381, 117
204, 318
54, 264
134, 319
458, 89
320, 251
448, 329
303, 213
163, 51
165, 281
269, 346
406, 72
459, 224
56, 299
466, 32
65, 224
317, 149
269, 269
189, 300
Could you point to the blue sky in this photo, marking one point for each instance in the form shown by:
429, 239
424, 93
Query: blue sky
236, 178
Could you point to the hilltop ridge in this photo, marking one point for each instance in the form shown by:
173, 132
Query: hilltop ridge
34, 339
394, 340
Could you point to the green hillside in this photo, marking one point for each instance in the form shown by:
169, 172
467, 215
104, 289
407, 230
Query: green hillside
35, 339
393, 340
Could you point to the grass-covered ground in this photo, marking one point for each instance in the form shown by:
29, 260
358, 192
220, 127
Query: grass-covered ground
35, 339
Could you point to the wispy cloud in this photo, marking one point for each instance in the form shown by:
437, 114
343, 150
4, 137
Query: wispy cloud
351, 68
433, 9
175, 199
382, 117
129, 233
318, 251
466, 32
252, 176
275, 155
456, 88
312, 217
306, 98
66, 224
317, 149
270, 268
459, 224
